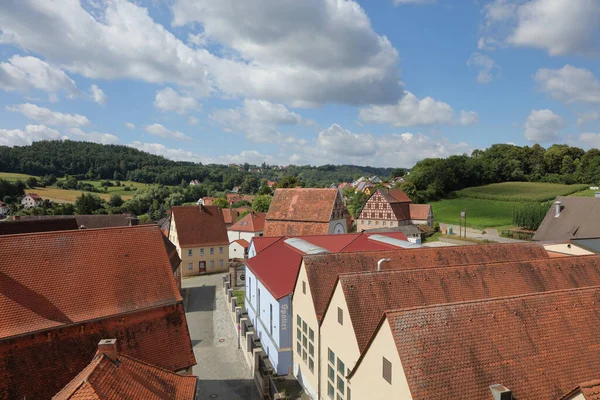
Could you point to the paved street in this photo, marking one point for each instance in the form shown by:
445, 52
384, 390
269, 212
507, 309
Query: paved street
221, 368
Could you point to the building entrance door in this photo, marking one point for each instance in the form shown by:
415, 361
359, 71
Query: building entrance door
202, 266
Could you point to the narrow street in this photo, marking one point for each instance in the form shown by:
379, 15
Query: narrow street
221, 369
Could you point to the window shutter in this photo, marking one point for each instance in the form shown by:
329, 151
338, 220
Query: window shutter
387, 370
340, 316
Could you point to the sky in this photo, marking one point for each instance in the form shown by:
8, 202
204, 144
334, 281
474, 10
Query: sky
372, 82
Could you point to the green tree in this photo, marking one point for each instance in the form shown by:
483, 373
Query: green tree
115, 200
250, 184
261, 203
88, 203
264, 189
289, 181
356, 203
398, 172
221, 202
32, 182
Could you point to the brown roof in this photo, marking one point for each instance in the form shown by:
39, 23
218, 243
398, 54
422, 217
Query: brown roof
419, 211
199, 226
394, 195
55, 279
590, 391
252, 222
230, 215
34, 196
171, 249
293, 228
37, 366
539, 346
90, 221
323, 269
128, 379
302, 205
37, 225
388, 290
579, 218
242, 242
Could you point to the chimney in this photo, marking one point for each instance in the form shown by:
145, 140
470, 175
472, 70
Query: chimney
381, 262
500, 392
557, 208
133, 221
108, 347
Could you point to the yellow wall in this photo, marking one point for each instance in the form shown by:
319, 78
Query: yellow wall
302, 305
339, 338
217, 257
368, 383
378, 223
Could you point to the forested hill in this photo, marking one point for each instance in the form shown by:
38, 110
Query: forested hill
96, 161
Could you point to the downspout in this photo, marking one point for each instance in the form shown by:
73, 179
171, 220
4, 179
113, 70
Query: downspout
381, 262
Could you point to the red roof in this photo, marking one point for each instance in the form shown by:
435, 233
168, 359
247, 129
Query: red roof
60, 278
127, 378
590, 391
252, 222
419, 211
277, 265
302, 205
295, 228
540, 346
394, 195
199, 226
242, 242
230, 215
34, 196
398, 289
262, 242
323, 269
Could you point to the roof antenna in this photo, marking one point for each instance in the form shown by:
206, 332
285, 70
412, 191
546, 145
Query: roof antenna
381, 262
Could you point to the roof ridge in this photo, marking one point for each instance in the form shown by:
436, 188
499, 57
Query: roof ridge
153, 366
491, 299
74, 231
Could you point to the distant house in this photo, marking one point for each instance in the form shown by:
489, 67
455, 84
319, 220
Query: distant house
306, 211
271, 184
233, 198
194, 182
200, 236
3, 209
31, 200
392, 208
239, 248
206, 201
364, 187
375, 179
252, 225
115, 376
570, 218
235, 189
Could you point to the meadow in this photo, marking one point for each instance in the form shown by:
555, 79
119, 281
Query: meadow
520, 191
12, 176
481, 213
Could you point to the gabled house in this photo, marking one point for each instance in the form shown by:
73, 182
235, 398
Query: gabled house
230, 216
570, 217
250, 226
238, 249
62, 292
318, 274
114, 376
200, 236
392, 208
31, 200
195, 182
349, 322
304, 211
527, 347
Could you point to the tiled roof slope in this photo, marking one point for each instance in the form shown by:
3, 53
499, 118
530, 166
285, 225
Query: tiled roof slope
38, 225
295, 228
90, 221
419, 211
539, 346
302, 204
127, 379
230, 215
388, 290
394, 195
251, 222
199, 226
37, 366
262, 242
171, 249
590, 391
323, 269
60, 278
579, 218
242, 242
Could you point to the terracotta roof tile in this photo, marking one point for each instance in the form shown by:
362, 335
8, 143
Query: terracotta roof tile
395, 289
60, 278
302, 205
323, 269
37, 366
294, 228
540, 346
230, 215
128, 379
242, 242
251, 222
419, 211
200, 226
394, 195
590, 390
38, 225
262, 242
91, 221
34, 196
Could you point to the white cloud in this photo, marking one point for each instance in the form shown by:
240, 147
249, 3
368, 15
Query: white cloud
558, 26
48, 117
590, 139
162, 150
488, 43
337, 140
32, 133
159, 130
468, 117
169, 100
22, 74
569, 84
300, 52
543, 126
410, 111
584, 118
488, 70
96, 137
97, 94
129, 125
193, 120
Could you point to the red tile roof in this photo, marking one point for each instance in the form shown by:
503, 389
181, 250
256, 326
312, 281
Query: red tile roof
294, 228
127, 378
251, 222
323, 269
34, 196
419, 211
395, 289
60, 278
199, 226
36, 366
230, 215
242, 242
262, 242
302, 205
38, 225
539, 346
590, 391
394, 195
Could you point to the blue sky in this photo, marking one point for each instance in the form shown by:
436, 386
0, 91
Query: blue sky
382, 83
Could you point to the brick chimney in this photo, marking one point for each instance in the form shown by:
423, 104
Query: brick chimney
108, 347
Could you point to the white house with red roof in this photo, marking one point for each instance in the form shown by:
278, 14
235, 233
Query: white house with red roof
250, 226
271, 276
32, 200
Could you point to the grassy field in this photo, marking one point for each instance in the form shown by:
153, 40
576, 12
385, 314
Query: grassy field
13, 176
520, 191
481, 214
62, 196
119, 189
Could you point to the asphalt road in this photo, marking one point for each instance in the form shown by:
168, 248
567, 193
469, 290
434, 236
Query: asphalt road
221, 369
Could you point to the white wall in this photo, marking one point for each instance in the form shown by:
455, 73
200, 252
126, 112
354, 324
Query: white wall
235, 235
